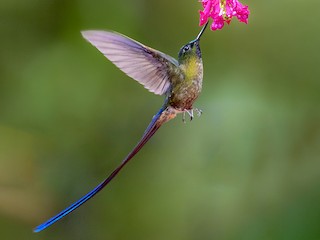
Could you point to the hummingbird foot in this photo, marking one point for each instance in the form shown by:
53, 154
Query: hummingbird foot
190, 112
198, 111
184, 117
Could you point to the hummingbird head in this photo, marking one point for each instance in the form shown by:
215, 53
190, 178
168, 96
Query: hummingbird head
192, 48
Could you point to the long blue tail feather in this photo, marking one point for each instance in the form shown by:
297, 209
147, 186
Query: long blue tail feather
152, 128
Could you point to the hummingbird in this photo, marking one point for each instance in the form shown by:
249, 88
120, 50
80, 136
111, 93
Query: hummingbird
179, 80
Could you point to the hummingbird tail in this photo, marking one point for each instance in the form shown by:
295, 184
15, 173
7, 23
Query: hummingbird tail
164, 115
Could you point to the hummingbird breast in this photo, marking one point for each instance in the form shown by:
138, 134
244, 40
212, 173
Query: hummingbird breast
186, 91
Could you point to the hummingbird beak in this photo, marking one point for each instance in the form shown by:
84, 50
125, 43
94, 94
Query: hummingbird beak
201, 32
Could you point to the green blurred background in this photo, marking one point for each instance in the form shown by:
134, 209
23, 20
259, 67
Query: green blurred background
249, 168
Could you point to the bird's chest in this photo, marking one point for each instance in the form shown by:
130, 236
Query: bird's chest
188, 86
183, 96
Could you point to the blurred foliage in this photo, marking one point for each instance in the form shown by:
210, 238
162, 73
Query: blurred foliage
247, 169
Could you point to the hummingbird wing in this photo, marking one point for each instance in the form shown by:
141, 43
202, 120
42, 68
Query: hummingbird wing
165, 114
149, 67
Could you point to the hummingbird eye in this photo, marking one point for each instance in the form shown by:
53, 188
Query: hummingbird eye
186, 48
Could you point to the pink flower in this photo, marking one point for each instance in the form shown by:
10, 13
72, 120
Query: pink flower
222, 11
218, 23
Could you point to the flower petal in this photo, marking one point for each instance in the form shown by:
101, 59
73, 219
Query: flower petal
222, 11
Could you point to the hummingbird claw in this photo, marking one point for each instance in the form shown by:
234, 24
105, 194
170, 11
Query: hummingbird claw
190, 112
184, 117
199, 112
